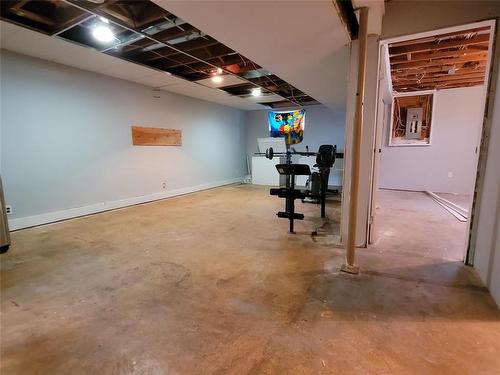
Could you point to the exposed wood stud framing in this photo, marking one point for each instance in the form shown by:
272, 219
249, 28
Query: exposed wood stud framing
450, 60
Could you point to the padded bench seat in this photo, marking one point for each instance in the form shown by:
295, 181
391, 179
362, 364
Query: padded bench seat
288, 193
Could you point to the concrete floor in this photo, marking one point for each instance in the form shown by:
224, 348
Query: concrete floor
211, 283
413, 223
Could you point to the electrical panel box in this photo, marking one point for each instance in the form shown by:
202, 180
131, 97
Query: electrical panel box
414, 123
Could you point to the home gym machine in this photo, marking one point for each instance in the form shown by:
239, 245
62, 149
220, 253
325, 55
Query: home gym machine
316, 186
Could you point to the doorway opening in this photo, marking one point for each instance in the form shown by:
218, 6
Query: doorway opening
431, 97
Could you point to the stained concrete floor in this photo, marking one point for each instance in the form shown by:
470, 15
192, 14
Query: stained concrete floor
211, 283
413, 223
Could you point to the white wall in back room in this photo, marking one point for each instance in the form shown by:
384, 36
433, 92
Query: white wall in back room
448, 164
66, 141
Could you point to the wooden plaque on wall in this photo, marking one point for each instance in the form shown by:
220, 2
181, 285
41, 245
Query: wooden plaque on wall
142, 136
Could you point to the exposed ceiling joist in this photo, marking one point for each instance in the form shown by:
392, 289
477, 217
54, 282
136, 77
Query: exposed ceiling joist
440, 62
475, 30
425, 56
450, 60
440, 70
438, 45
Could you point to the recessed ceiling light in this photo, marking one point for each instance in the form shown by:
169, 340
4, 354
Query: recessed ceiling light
219, 70
217, 79
105, 20
103, 34
256, 91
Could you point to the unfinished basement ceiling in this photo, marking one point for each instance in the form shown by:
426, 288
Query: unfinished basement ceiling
152, 37
444, 61
305, 43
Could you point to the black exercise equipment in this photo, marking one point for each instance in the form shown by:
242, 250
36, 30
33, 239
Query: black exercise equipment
289, 192
317, 183
318, 180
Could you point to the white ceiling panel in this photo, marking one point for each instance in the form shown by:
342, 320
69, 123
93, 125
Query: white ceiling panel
6, 29
35, 44
266, 98
88, 59
126, 70
310, 50
159, 79
213, 95
227, 80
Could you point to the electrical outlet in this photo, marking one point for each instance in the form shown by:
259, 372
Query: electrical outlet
164, 185
8, 209
450, 174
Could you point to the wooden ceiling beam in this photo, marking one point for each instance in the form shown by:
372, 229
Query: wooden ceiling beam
167, 51
228, 59
424, 56
119, 16
471, 78
447, 77
410, 88
438, 79
240, 69
175, 32
437, 71
437, 82
18, 10
438, 85
480, 47
441, 36
432, 46
439, 62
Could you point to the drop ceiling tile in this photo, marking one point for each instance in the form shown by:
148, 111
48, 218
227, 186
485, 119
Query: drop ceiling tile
227, 80
266, 98
27, 42
212, 95
6, 30
126, 70
157, 79
87, 59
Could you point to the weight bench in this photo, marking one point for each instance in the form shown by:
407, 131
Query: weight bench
289, 193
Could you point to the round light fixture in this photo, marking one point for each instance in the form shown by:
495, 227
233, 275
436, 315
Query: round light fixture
219, 71
103, 34
217, 79
256, 91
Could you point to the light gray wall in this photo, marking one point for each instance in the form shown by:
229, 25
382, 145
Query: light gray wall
407, 17
66, 138
487, 239
457, 122
323, 126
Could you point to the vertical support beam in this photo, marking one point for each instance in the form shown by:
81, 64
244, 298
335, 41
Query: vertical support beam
349, 266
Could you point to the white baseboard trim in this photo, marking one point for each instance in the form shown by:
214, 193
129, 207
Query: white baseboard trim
50, 217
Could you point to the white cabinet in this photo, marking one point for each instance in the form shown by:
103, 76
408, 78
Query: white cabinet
264, 171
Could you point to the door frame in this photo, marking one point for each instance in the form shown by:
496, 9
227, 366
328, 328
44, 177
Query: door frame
383, 63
